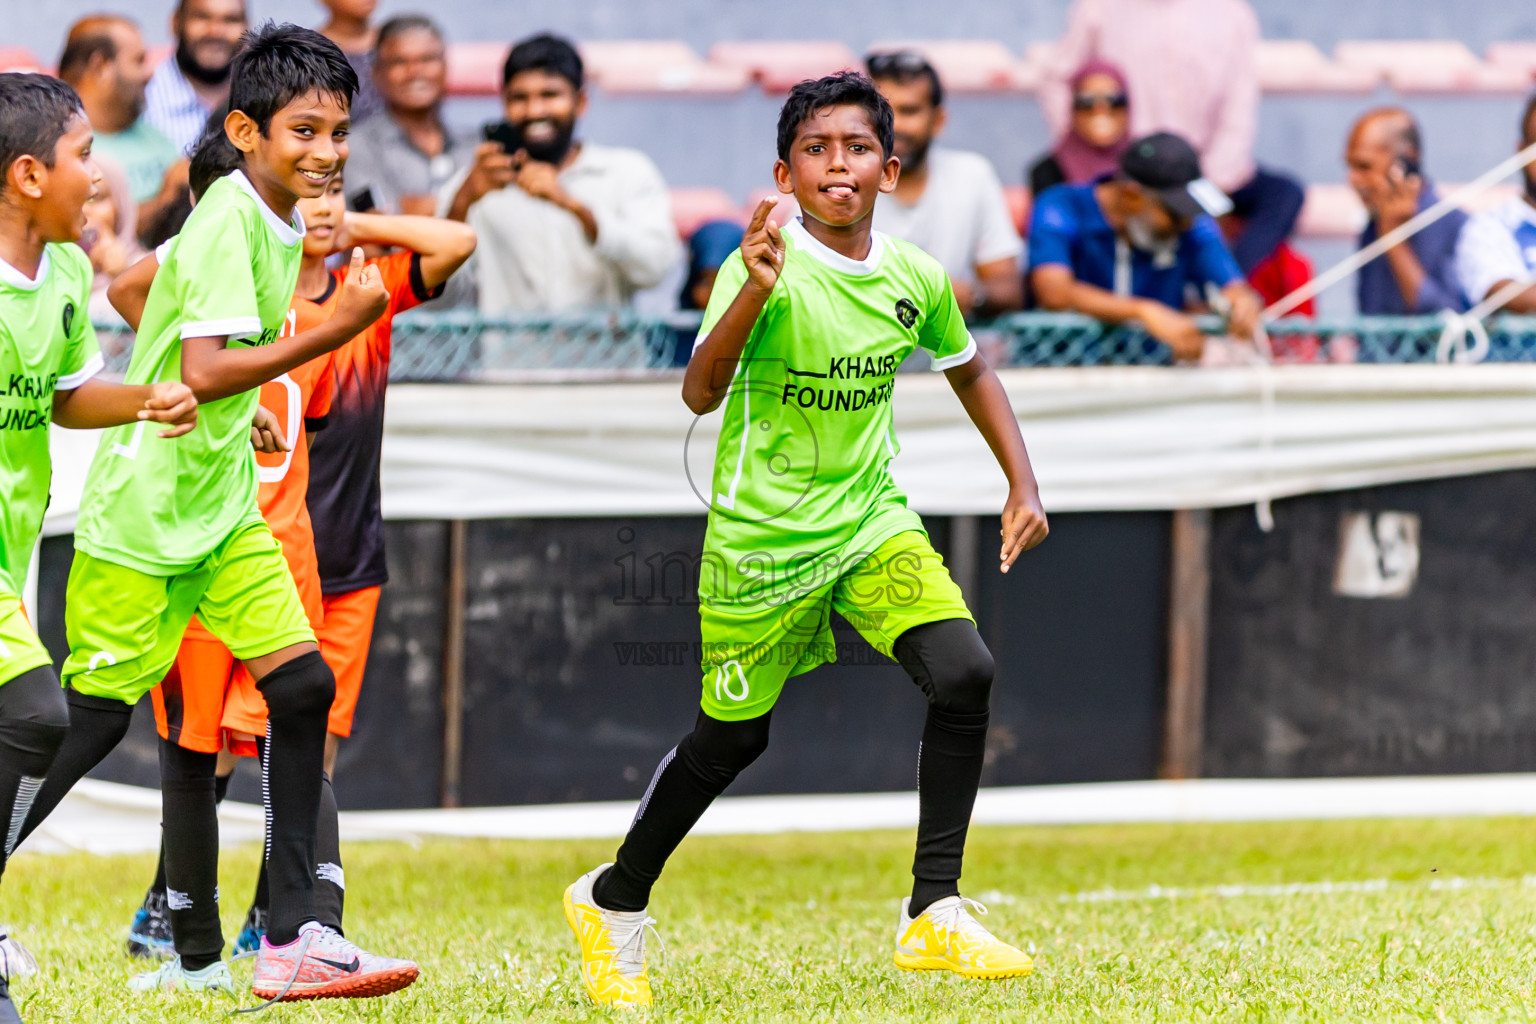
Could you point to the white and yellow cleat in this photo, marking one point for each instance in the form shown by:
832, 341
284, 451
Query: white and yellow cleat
612, 946
945, 937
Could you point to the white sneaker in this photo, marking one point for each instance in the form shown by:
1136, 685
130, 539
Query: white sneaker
15, 960
945, 937
612, 946
172, 977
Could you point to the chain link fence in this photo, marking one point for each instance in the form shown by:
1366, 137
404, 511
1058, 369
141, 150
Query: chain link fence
464, 346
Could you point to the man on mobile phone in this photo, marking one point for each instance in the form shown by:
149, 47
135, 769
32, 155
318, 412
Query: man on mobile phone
1417, 275
563, 223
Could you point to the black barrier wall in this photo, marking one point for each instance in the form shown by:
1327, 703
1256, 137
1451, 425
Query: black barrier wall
581, 667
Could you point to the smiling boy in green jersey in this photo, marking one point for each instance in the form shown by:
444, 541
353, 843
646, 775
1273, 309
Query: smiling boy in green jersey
800, 345
48, 367
169, 528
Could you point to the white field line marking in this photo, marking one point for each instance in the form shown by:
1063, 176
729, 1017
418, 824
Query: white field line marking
1282, 889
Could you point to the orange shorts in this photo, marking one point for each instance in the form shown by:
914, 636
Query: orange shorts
345, 631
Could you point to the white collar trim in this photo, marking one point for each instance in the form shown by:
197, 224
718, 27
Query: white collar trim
288, 234
16, 279
832, 258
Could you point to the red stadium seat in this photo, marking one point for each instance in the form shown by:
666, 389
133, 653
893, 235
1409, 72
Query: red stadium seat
474, 69
16, 58
692, 208
1296, 65
657, 66
778, 64
1019, 201
1432, 65
964, 65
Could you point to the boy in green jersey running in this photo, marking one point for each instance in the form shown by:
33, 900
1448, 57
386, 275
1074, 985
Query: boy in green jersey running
799, 347
169, 528
48, 367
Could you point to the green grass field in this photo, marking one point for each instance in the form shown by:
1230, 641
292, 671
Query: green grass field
799, 927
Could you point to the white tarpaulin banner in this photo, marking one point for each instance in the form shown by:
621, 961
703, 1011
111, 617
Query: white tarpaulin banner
1109, 438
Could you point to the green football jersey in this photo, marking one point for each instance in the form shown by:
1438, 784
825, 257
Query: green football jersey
162, 505
46, 345
802, 489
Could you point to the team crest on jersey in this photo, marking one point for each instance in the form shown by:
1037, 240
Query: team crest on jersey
69, 317
906, 312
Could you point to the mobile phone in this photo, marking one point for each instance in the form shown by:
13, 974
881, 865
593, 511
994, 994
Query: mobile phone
362, 201
505, 134
1407, 166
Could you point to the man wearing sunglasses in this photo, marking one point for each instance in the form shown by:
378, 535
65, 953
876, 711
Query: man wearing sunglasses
948, 202
1141, 244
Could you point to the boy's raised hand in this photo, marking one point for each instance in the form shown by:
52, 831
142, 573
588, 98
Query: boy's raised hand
762, 248
171, 402
363, 297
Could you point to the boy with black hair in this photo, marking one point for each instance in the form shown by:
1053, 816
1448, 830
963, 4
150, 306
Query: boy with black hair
169, 529
800, 342
48, 366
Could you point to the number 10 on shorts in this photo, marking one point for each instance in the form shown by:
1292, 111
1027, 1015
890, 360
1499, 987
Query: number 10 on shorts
728, 677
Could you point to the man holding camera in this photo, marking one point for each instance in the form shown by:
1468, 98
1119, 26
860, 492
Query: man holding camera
562, 224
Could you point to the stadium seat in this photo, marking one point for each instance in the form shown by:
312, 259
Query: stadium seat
1521, 55
784, 212
16, 58
1331, 211
474, 69
1431, 65
1019, 201
1296, 65
692, 208
778, 64
964, 65
657, 66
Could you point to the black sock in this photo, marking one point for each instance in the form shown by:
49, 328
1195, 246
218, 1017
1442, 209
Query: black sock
189, 813
949, 764
686, 782
33, 724
330, 880
96, 726
157, 887
298, 695
262, 899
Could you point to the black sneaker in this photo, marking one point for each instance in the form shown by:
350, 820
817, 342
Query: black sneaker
149, 938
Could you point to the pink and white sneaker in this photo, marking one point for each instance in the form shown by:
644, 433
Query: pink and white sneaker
321, 964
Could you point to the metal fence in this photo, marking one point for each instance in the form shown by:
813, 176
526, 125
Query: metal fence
464, 346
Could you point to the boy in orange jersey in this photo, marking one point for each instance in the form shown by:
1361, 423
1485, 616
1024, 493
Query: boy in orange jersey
208, 707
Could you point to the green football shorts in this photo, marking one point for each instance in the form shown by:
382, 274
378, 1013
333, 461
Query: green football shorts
751, 649
125, 626
20, 649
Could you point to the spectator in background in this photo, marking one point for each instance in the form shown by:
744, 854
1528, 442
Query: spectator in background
405, 156
563, 224
105, 61
1498, 247
1098, 132
348, 28
709, 247
948, 202
191, 82
1130, 247
1417, 275
109, 236
1192, 70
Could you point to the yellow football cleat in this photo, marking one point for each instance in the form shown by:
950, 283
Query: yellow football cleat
612, 946
945, 937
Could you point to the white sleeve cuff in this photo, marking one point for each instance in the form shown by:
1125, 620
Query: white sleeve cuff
699, 341
92, 367
233, 327
959, 358
163, 250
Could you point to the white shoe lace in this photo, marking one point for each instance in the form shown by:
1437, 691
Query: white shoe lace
306, 935
956, 919
628, 937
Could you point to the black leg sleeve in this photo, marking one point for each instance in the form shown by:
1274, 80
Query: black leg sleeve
190, 841
330, 880
686, 782
33, 723
298, 695
96, 726
952, 665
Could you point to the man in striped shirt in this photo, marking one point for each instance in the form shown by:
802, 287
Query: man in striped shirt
189, 84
